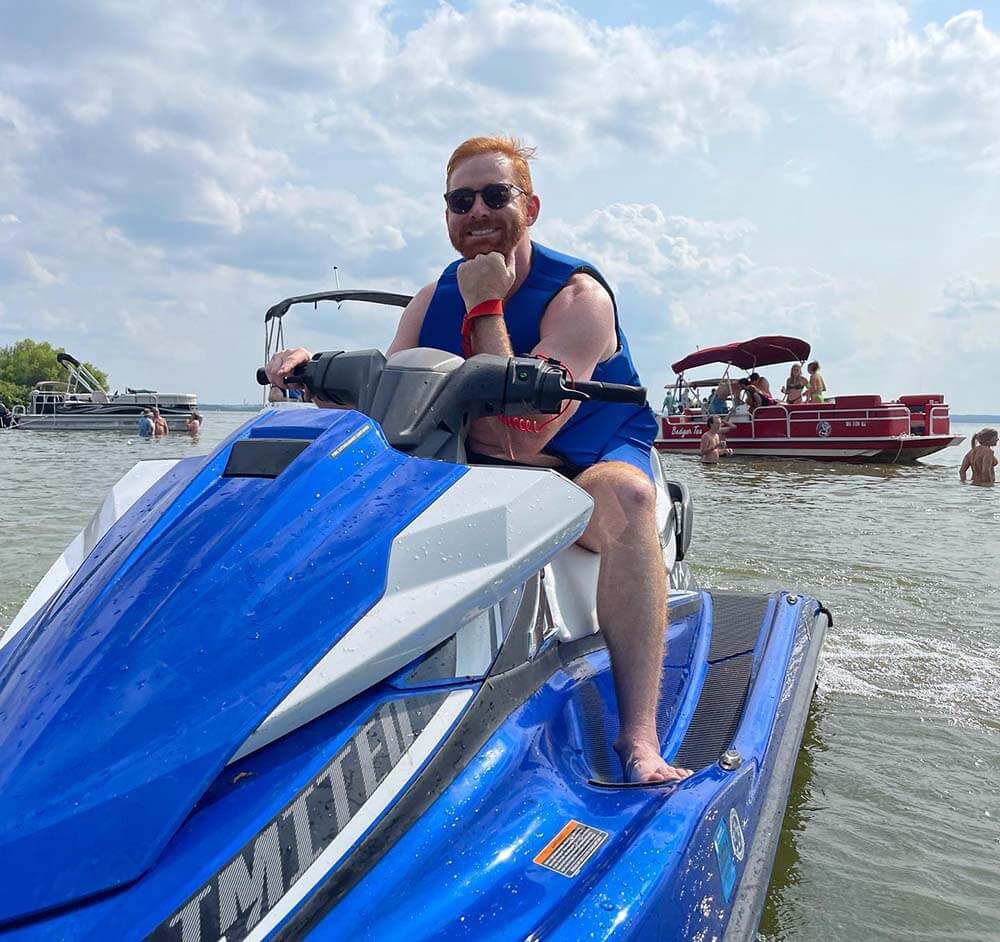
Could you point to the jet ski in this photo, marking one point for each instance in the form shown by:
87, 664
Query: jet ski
332, 682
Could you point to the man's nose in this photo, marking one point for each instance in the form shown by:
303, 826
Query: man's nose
479, 207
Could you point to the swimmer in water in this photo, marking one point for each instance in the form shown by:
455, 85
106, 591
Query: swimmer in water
980, 459
713, 446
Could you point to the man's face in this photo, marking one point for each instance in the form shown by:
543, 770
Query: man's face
482, 230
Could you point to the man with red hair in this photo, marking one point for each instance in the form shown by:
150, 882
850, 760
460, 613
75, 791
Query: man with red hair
509, 296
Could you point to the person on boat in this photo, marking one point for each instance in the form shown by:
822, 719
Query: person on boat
981, 459
795, 385
713, 445
762, 387
718, 402
817, 387
507, 295
751, 395
146, 427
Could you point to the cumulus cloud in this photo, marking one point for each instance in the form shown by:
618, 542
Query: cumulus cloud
638, 244
171, 180
934, 87
964, 296
700, 274
552, 74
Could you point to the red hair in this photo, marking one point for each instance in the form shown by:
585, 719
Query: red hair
510, 147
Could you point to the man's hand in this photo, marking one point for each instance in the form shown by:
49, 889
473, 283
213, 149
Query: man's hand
485, 278
280, 366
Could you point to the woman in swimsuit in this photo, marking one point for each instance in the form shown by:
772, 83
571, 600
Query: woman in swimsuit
980, 458
795, 385
817, 387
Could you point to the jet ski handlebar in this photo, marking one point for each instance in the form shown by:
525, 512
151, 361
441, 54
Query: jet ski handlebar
424, 400
502, 385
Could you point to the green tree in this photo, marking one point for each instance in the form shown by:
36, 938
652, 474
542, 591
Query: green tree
27, 362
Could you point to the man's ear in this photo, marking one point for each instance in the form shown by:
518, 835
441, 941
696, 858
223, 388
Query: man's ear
533, 208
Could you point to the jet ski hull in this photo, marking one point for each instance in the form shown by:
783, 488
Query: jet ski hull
455, 847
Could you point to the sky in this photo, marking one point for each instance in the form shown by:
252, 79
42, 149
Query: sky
828, 169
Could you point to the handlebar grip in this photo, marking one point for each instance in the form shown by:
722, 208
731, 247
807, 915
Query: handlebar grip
613, 392
296, 377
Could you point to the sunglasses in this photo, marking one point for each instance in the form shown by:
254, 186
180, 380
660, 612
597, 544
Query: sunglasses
495, 196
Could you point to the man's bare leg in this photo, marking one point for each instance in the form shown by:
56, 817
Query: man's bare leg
631, 608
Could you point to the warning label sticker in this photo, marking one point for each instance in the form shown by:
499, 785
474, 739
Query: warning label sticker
571, 848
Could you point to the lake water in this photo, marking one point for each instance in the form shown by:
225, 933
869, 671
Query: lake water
893, 828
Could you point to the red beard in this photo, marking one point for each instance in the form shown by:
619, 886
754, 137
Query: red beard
510, 231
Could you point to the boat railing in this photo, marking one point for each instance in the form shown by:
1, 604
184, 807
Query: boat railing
938, 412
803, 414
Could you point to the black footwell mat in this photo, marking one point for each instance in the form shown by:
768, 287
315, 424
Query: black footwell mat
599, 727
736, 623
717, 714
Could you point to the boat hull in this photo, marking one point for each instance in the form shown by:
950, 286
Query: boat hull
901, 450
92, 423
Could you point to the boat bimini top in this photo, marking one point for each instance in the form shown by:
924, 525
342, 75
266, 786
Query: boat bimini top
748, 354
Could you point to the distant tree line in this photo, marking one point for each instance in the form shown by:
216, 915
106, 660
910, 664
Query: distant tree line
27, 362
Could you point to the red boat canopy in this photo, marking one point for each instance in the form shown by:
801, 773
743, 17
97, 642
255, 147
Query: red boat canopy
748, 354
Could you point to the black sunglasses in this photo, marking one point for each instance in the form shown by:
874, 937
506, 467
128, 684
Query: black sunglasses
495, 196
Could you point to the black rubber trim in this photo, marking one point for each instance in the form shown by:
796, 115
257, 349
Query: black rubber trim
736, 623
717, 714
748, 903
263, 457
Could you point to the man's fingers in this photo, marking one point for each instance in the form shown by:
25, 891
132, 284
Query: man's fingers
281, 365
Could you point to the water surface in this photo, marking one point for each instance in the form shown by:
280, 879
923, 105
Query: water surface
893, 828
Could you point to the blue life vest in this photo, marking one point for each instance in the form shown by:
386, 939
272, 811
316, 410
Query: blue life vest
596, 427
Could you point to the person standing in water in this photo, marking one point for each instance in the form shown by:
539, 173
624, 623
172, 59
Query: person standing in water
160, 427
980, 459
795, 385
146, 427
193, 424
817, 387
712, 446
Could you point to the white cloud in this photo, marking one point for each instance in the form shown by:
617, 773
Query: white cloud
935, 88
169, 182
965, 296
549, 73
638, 244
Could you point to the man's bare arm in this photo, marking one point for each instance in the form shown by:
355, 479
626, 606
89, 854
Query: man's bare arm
578, 329
412, 320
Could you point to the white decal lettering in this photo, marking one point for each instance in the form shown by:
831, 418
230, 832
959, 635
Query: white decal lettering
241, 890
335, 774
299, 813
366, 754
190, 918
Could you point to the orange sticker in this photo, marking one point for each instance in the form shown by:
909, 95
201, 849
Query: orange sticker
571, 848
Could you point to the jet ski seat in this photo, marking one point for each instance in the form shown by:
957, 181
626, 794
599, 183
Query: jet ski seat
572, 576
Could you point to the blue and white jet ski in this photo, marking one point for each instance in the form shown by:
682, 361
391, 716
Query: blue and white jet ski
332, 682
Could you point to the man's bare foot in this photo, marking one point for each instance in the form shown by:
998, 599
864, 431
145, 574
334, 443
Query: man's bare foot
644, 765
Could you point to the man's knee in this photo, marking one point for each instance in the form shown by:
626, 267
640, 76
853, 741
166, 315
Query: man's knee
620, 490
